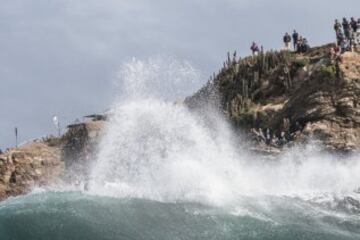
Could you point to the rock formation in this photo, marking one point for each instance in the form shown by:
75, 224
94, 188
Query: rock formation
79, 147
49, 160
310, 96
306, 96
23, 168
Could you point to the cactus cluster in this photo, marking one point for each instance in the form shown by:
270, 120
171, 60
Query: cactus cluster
240, 80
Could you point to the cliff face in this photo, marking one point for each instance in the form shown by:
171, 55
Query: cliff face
34, 164
301, 96
49, 161
80, 147
328, 103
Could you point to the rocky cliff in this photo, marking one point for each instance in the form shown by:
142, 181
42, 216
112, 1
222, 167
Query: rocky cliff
79, 147
34, 164
292, 98
49, 161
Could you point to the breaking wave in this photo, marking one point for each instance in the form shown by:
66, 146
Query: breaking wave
161, 151
165, 172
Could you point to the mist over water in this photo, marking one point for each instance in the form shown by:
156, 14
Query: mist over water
165, 172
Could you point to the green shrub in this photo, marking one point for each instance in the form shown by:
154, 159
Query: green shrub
300, 63
327, 72
246, 119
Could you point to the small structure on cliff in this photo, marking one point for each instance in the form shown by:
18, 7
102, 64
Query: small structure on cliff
80, 145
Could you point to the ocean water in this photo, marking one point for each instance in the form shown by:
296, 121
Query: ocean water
164, 172
74, 215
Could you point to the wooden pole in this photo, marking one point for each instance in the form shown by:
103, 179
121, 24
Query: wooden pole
16, 137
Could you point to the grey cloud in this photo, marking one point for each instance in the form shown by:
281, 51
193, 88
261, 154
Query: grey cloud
62, 56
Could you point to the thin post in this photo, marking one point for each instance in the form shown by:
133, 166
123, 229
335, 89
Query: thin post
16, 137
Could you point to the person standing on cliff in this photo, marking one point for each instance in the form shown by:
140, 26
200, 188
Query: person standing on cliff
354, 24
337, 26
344, 45
346, 28
299, 44
339, 38
255, 49
287, 41
358, 32
295, 38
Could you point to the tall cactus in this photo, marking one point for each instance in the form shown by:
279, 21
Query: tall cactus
228, 62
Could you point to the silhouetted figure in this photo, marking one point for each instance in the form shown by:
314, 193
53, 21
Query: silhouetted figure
345, 45
302, 45
298, 44
337, 26
354, 24
295, 37
339, 38
255, 49
305, 45
346, 28
287, 41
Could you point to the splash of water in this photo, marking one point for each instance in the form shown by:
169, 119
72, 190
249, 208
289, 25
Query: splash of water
161, 151
204, 183
160, 77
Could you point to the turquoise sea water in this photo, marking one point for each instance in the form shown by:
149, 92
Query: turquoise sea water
73, 215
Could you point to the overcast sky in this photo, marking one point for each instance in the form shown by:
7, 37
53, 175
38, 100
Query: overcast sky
62, 56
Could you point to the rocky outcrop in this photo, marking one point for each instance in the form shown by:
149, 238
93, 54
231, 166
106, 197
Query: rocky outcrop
306, 96
35, 164
327, 102
49, 161
80, 147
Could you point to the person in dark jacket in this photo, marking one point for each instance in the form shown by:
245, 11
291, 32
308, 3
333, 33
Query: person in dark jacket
287, 41
255, 49
295, 37
346, 28
354, 25
345, 45
337, 26
305, 46
339, 38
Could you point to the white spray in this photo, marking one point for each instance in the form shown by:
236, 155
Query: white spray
159, 150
